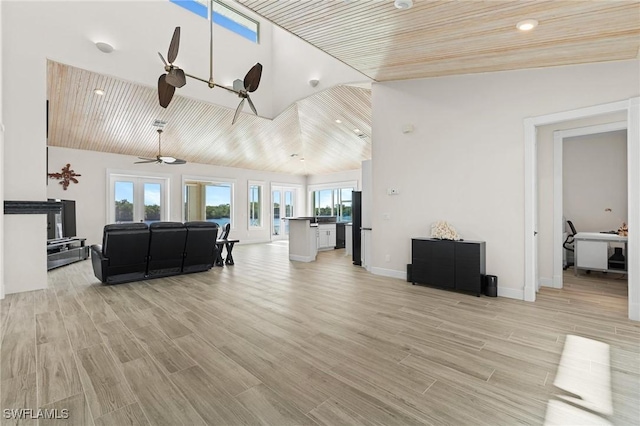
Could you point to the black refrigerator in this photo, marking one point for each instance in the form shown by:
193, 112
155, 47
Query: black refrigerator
356, 213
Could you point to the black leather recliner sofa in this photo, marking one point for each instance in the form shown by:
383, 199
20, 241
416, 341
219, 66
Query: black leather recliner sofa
200, 251
135, 251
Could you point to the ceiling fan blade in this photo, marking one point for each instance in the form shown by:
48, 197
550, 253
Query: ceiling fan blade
235, 116
178, 161
165, 91
162, 59
176, 78
146, 160
252, 79
173, 47
238, 85
253, 107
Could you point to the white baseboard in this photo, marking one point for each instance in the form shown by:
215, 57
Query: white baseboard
243, 242
634, 311
557, 281
301, 258
511, 293
545, 282
392, 273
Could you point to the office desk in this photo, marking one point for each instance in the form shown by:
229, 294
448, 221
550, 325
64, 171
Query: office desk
592, 251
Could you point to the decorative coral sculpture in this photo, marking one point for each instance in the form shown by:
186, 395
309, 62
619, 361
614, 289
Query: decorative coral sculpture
444, 231
623, 231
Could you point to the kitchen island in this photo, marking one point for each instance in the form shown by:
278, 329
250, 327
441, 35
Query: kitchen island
308, 235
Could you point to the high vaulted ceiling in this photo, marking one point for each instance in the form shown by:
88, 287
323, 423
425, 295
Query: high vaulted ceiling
436, 38
122, 120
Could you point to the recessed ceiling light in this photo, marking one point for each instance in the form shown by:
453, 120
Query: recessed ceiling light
104, 47
356, 130
98, 92
338, 121
527, 25
302, 159
403, 4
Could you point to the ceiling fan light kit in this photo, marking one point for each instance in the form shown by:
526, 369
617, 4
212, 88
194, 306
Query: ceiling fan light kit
175, 77
161, 159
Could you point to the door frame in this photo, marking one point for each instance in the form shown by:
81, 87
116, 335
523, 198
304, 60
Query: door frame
297, 204
558, 200
632, 108
212, 180
166, 193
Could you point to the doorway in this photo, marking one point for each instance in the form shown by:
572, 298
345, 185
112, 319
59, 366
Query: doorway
283, 202
137, 199
559, 138
632, 108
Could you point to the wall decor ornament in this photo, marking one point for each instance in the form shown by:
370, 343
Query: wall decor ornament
68, 175
443, 231
623, 231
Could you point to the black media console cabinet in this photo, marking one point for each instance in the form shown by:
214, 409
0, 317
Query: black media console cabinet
453, 265
65, 251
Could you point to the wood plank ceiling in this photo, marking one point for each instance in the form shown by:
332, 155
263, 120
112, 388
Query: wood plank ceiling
437, 38
121, 122
434, 38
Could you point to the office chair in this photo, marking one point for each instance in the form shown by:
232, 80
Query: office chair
568, 242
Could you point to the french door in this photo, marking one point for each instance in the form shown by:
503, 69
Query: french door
137, 199
283, 201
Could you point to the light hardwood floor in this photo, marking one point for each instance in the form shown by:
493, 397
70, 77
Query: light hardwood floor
269, 341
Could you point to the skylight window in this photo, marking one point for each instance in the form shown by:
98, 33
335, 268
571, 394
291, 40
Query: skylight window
224, 16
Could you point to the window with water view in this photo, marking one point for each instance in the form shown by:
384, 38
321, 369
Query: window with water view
208, 201
332, 202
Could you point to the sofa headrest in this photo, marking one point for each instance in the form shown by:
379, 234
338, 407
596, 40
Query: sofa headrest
134, 226
200, 224
166, 225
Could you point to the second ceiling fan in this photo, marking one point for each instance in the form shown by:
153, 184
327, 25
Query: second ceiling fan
161, 159
175, 77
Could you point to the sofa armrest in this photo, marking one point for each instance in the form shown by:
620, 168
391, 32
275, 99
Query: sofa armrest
99, 262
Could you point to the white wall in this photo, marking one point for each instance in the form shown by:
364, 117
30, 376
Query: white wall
464, 162
90, 193
296, 62
24, 153
346, 176
1, 172
594, 179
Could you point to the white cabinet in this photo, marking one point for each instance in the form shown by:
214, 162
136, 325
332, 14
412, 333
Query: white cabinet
326, 236
593, 254
303, 240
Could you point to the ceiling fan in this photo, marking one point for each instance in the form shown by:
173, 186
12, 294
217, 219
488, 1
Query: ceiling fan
175, 77
161, 159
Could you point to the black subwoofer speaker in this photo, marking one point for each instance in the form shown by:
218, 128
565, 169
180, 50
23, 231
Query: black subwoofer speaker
491, 288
